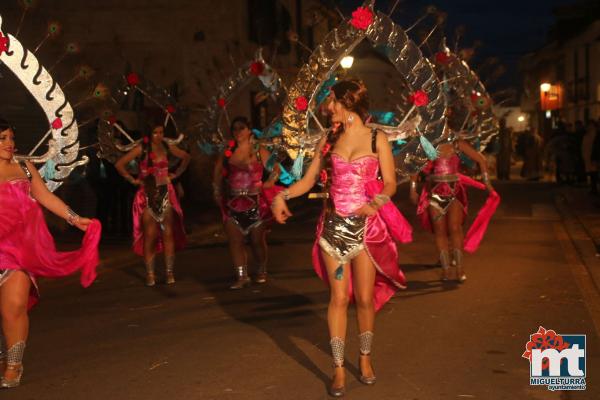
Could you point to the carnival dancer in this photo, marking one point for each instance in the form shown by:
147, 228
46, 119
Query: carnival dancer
442, 206
27, 251
354, 251
157, 215
239, 190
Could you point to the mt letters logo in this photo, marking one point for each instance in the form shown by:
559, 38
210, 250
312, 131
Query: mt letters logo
556, 361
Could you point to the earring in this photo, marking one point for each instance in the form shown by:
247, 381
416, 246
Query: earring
350, 118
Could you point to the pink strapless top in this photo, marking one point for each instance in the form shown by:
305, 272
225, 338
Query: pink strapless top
249, 178
348, 182
160, 169
446, 166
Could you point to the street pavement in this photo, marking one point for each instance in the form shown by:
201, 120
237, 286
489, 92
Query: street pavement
198, 340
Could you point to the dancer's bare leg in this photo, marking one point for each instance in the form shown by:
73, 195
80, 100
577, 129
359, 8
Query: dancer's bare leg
363, 273
14, 297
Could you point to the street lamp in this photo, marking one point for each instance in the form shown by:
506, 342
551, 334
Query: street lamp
545, 87
347, 62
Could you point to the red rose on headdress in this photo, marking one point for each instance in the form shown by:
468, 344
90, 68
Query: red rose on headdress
326, 149
442, 58
133, 79
231, 143
221, 102
170, 108
57, 123
323, 176
112, 120
3, 43
419, 98
228, 153
362, 17
146, 139
257, 68
301, 103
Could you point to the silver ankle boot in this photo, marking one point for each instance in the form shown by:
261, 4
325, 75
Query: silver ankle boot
14, 362
261, 274
458, 260
242, 279
366, 342
170, 264
2, 352
150, 277
337, 351
445, 262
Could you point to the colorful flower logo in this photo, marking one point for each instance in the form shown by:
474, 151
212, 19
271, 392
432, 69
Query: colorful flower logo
545, 339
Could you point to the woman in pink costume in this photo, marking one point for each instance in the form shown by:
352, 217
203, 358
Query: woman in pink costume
157, 215
239, 174
27, 251
354, 251
442, 206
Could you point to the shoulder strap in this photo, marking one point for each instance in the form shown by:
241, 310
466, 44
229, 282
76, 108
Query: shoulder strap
25, 169
374, 140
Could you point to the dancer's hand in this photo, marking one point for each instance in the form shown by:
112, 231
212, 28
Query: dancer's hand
366, 210
414, 196
82, 223
280, 210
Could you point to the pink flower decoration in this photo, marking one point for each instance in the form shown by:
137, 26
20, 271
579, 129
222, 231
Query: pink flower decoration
362, 17
170, 109
221, 102
326, 149
442, 58
301, 103
419, 98
133, 79
3, 43
57, 123
323, 176
151, 170
257, 68
228, 153
231, 143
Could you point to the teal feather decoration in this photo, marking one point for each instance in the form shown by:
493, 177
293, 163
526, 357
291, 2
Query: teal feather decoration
298, 166
257, 133
102, 170
339, 273
284, 176
428, 148
49, 170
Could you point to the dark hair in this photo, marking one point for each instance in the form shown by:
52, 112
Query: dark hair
4, 125
239, 119
352, 94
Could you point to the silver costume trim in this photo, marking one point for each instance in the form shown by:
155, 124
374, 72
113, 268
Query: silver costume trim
366, 342
15, 353
337, 351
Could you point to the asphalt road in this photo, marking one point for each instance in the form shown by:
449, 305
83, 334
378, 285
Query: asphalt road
198, 340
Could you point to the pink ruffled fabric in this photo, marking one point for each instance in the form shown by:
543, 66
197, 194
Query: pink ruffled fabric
477, 230
354, 184
139, 205
27, 245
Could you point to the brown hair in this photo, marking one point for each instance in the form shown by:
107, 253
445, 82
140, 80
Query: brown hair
352, 94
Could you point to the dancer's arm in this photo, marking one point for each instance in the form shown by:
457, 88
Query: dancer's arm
185, 160
121, 165
279, 206
387, 168
476, 156
49, 200
218, 180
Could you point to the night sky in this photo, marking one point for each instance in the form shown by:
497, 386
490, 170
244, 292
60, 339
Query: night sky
508, 29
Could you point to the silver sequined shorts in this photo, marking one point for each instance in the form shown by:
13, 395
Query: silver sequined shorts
343, 237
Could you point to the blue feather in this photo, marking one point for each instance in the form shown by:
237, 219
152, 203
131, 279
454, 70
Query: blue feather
428, 148
383, 117
284, 176
298, 166
257, 133
275, 129
49, 170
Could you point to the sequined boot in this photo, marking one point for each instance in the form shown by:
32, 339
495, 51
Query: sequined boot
458, 260
150, 277
2, 353
14, 362
242, 279
170, 264
366, 342
445, 261
337, 351
261, 274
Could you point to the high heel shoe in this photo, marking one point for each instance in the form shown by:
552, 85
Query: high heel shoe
460, 271
261, 274
445, 262
338, 391
11, 383
367, 380
170, 265
150, 277
242, 279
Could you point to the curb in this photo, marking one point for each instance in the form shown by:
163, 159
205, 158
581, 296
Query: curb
580, 237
